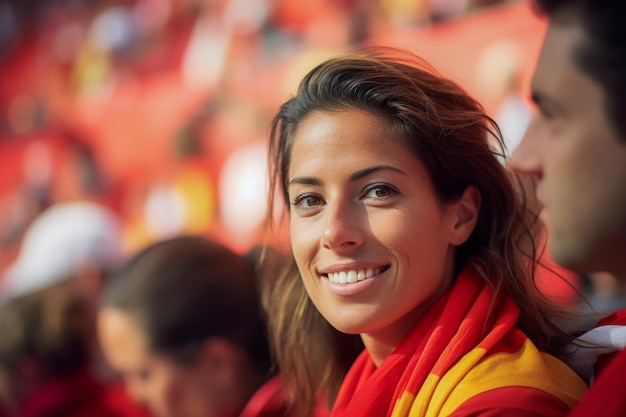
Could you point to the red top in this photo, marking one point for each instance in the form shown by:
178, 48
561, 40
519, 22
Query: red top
79, 394
268, 401
607, 396
271, 401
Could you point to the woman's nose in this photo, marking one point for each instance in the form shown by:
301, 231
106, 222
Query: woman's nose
343, 227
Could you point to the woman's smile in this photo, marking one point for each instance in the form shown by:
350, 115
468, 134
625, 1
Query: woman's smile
354, 282
353, 275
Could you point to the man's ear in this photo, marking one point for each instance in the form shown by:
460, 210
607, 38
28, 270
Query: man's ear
217, 355
225, 374
221, 361
465, 213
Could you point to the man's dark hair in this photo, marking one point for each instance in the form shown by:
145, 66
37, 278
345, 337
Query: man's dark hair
603, 54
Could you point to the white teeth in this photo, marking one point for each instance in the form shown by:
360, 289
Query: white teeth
344, 277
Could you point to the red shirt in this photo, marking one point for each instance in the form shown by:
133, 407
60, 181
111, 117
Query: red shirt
271, 401
607, 396
79, 394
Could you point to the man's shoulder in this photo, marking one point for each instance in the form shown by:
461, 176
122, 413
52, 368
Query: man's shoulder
607, 396
590, 353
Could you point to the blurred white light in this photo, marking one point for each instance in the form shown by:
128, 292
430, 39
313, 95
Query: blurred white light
112, 28
243, 189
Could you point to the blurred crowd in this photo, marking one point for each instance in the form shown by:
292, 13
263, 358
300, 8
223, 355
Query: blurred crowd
158, 109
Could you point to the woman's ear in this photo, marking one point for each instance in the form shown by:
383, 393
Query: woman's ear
465, 215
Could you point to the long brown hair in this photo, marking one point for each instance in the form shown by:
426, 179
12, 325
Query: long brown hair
460, 146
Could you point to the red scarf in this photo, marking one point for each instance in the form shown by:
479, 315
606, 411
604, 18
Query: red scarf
463, 345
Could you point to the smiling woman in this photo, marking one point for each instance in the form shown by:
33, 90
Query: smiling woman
411, 239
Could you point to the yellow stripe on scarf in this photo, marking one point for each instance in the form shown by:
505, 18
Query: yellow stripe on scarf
472, 375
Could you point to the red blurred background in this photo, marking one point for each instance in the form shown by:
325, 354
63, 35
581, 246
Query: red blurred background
160, 108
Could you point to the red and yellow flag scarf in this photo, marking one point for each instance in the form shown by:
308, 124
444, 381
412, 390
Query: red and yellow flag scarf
464, 345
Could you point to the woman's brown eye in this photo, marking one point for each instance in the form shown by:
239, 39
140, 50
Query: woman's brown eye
312, 201
307, 201
379, 191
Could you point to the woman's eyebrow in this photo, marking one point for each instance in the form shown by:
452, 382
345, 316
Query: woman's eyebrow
371, 170
304, 181
355, 176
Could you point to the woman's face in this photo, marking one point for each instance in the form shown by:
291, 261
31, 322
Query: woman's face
373, 244
166, 388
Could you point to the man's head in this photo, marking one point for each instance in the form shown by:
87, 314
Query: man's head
575, 146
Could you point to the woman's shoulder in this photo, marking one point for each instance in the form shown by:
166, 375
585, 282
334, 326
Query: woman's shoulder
526, 369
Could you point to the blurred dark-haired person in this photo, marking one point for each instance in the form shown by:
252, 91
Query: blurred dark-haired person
183, 325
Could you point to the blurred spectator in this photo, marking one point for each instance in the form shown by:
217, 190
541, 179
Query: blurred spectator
184, 327
78, 240
78, 175
55, 166
49, 360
